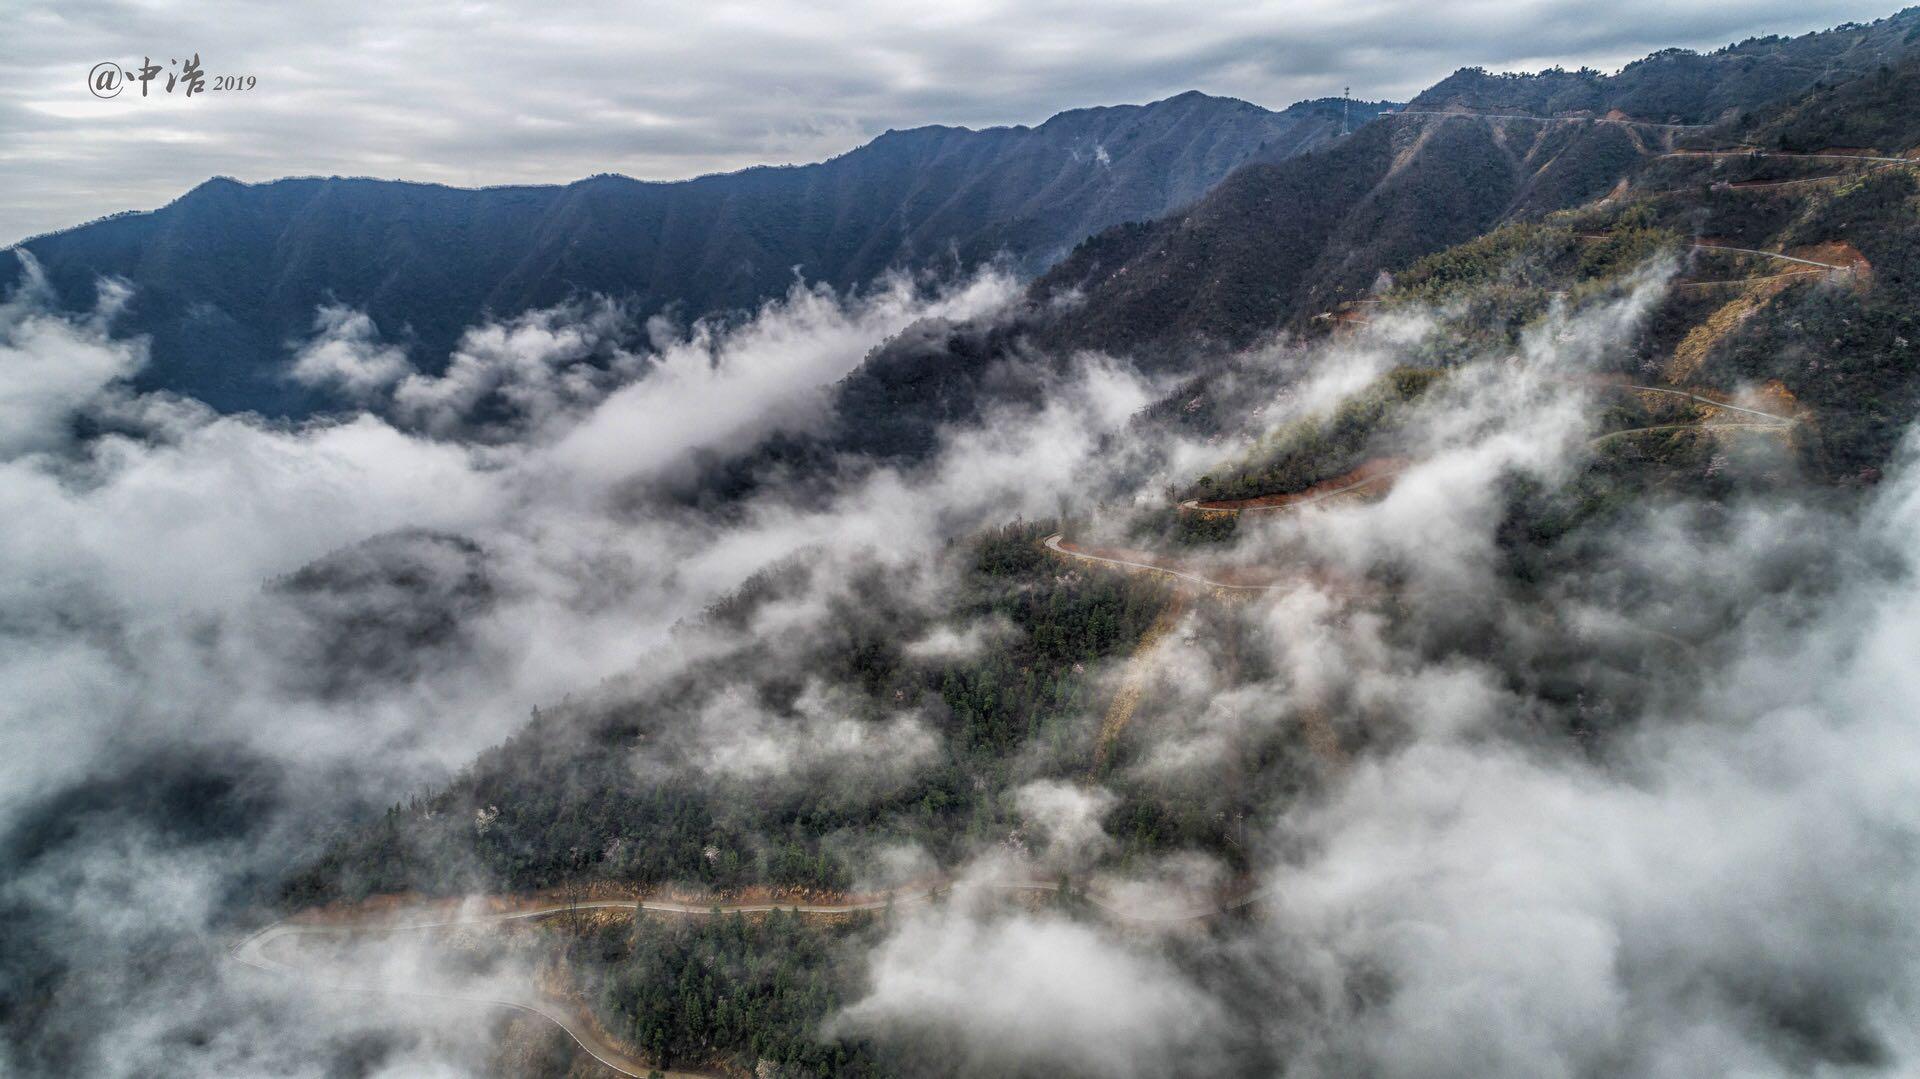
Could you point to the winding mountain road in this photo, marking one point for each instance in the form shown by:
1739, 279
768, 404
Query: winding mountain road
1724, 281
1877, 163
1765, 421
1789, 156
1611, 435
1057, 544
1709, 245
1699, 246
258, 951
1772, 418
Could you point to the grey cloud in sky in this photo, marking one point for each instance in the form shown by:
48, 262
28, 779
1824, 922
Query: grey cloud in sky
511, 92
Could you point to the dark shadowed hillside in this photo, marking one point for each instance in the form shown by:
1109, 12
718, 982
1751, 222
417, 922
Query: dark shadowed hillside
228, 275
1871, 113
1278, 243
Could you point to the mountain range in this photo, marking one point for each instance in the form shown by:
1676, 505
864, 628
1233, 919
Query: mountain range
1278, 245
1160, 232
227, 278
1368, 537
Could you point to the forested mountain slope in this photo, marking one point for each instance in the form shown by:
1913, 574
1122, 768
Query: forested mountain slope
1708, 340
1683, 86
228, 275
1278, 244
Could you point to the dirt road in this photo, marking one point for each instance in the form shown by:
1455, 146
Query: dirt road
259, 951
1057, 544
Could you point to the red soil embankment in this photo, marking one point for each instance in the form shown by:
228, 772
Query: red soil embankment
1837, 253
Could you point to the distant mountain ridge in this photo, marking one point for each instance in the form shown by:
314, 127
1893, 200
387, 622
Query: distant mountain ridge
229, 275
1684, 86
1278, 243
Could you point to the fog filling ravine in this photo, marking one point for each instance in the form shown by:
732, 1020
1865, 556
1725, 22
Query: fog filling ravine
1416, 587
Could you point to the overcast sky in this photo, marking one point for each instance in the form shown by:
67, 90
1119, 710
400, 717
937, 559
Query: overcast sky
512, 92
